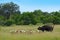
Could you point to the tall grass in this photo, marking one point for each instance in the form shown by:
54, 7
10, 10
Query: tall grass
6, 35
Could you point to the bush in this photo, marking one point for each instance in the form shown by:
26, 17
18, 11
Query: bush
8, 23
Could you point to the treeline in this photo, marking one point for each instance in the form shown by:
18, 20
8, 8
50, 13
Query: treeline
10, 14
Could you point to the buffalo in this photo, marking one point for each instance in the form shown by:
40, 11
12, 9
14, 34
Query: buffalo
46, 28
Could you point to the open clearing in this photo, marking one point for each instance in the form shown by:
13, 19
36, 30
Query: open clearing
6, 35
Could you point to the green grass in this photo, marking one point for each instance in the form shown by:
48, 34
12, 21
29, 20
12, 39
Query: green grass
6, 35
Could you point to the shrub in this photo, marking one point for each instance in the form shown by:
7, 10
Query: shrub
8, 23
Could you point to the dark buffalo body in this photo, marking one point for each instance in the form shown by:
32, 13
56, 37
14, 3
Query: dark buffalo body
46, 28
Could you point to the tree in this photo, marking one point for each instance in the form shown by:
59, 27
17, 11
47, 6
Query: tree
26, 18
16, 18
8, 9
38, 14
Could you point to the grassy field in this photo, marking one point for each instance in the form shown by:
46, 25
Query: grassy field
6, 35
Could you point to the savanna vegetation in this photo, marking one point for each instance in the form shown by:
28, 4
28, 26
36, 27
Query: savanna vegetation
5, 33
10, 14
11, 18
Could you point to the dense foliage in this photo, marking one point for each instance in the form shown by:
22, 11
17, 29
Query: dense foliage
10, 14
